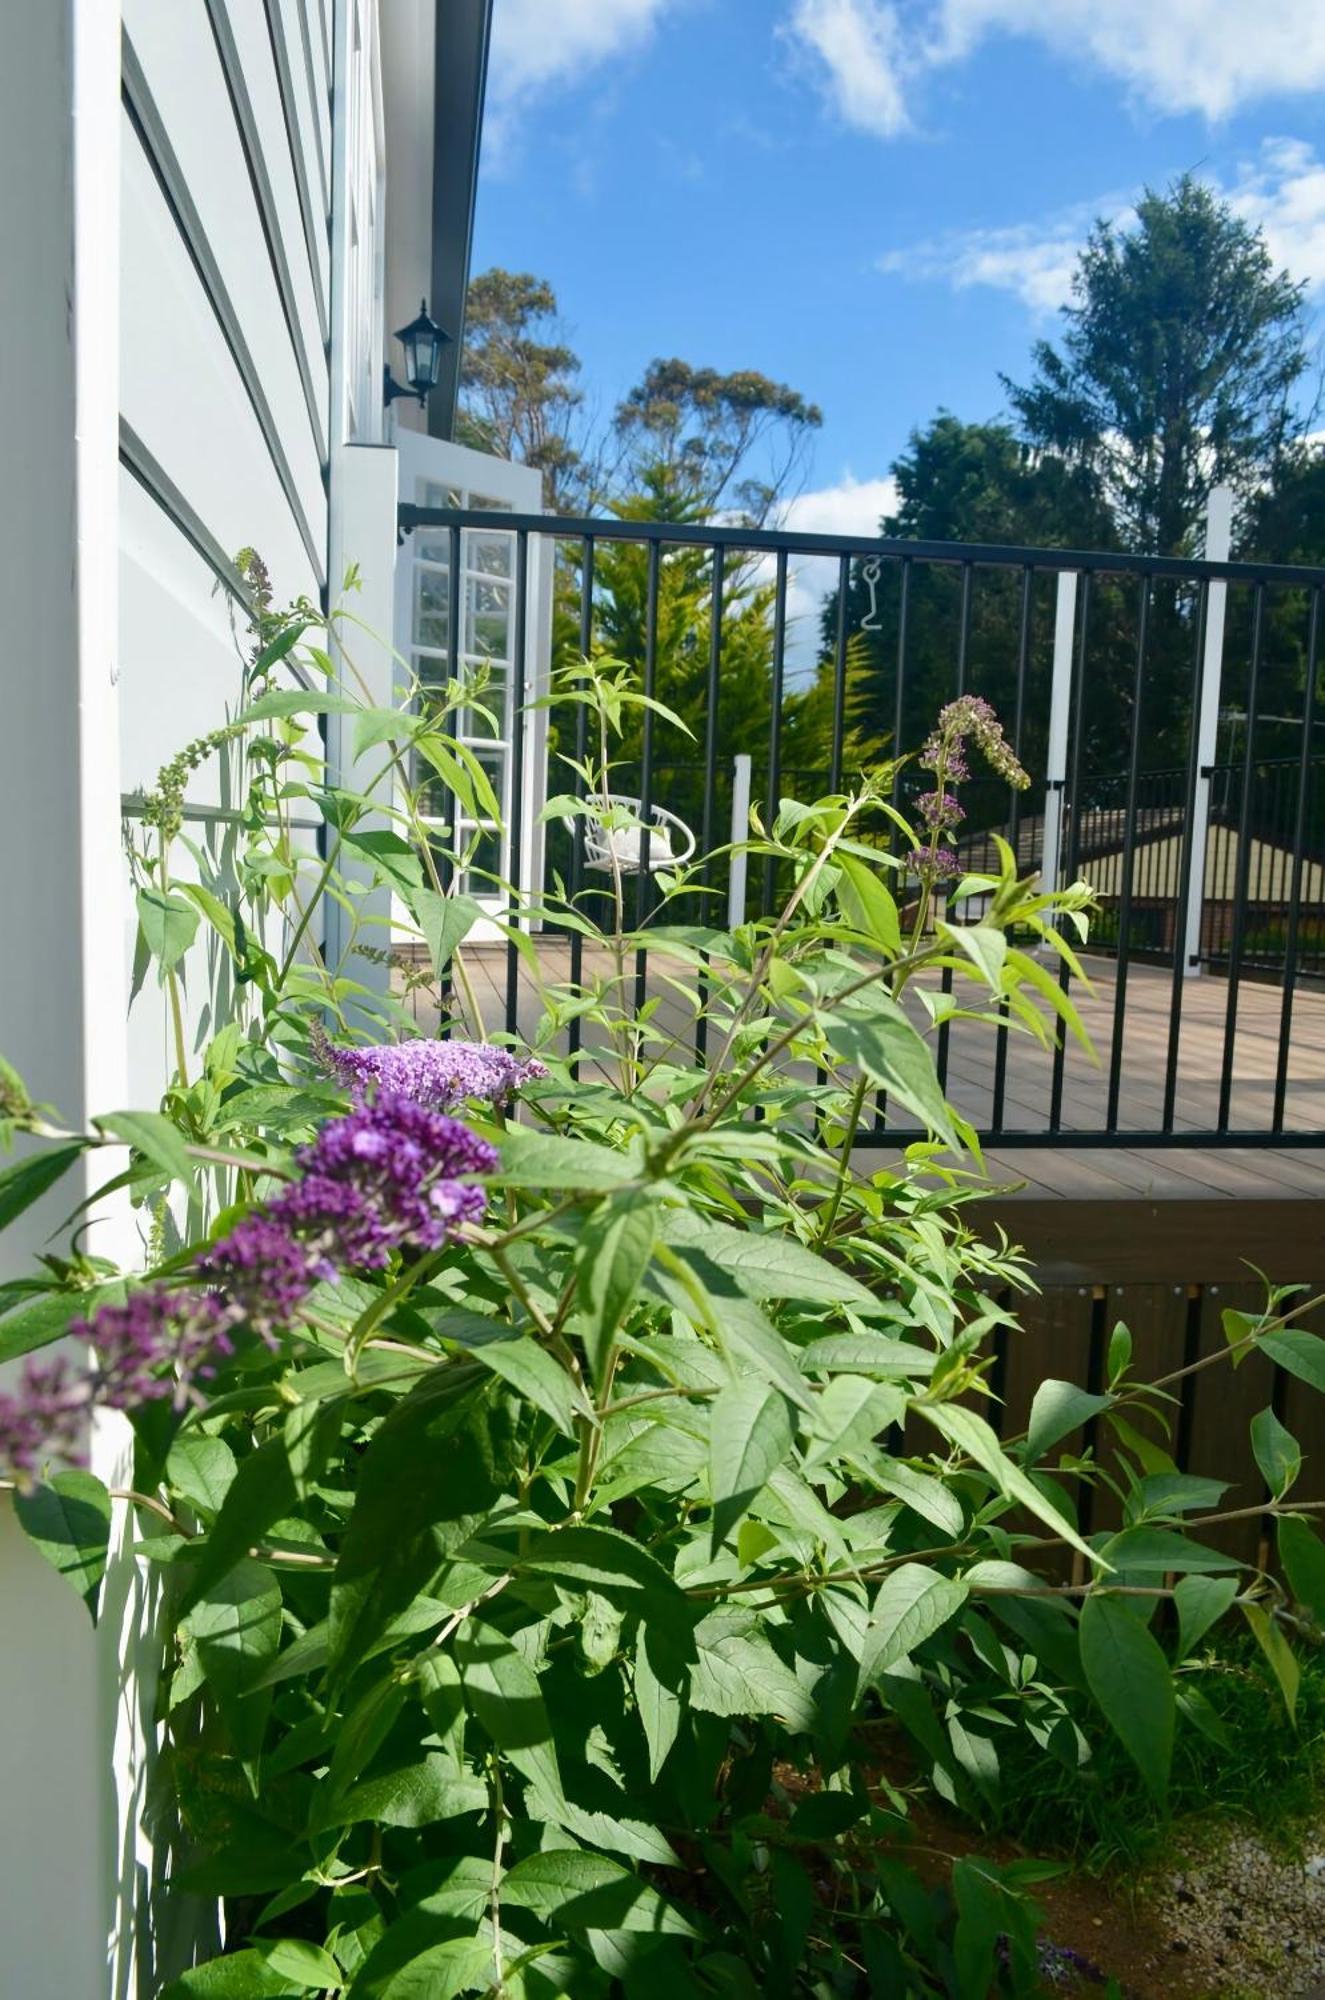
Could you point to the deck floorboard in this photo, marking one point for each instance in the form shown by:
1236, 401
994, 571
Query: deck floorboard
1060, 1171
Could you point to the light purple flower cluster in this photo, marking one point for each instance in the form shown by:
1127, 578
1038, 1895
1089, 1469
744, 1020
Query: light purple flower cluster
944, 754
438, 1075
945, 748
387, 1177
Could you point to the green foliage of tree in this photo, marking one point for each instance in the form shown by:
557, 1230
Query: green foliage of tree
519, 389
1177, 369
704, 429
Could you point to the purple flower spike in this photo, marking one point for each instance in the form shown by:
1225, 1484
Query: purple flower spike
44, 1420
154, 1345
438, 1075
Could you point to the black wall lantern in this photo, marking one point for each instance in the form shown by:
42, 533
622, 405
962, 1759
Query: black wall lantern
422, 341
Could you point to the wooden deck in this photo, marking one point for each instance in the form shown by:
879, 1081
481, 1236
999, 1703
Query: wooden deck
1127, 1211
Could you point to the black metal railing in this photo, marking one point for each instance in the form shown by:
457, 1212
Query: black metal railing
1211, 929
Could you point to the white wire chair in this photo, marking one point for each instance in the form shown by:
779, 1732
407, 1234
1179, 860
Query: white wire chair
617, 838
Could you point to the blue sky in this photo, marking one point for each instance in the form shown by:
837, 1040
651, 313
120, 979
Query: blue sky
877, 201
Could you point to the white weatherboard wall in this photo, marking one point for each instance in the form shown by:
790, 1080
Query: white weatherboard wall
225, 308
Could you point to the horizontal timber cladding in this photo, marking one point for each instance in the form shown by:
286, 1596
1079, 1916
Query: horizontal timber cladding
224, 376
1064, 1333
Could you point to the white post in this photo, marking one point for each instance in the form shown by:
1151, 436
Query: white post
1218, 541
1060, 700
363, 532
73, 1742
740, 833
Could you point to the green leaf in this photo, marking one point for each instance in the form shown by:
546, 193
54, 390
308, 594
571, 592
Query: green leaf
1303, 1556
283, 702
505, 1699
737, 1672
874, 1036
69, 1521
24, 1181
48, 1318
660, 1673
306, 1966
154, 1137
531, 1371
1238, 1327
1279, 1654
1201, 1602
1059, 1407
760, 1263
1301, 1353
750, 1434
604, 1559
236, 1627
1158, 1549
611, 1260
1277, 1451
867, 904
445, 922
971, 1434
850, 1412
202, 1468
1120, 1353
169, 925
575, 1891
1129, 1677
986, 947
923, 1494
264, 1490
394, 860
911, 1604
414, 1962
541, 1161
239, 1975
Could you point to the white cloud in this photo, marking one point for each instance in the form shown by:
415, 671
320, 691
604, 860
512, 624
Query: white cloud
540, 44
1035, 261
1281, 191
861, 47
1204, 56
1284, 194
851, 507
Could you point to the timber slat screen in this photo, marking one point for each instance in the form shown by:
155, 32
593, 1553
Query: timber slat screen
1206, 844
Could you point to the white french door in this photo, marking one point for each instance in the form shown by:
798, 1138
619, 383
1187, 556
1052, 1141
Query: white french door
434, 473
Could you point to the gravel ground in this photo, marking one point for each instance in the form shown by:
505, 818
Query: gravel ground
1246, 1915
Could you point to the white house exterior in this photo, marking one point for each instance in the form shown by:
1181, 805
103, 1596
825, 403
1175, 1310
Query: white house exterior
211, 213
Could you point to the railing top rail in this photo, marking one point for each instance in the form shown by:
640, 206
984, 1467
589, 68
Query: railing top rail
1100, 562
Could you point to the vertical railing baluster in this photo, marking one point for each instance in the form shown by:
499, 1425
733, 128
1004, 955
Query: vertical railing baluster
899, 723
775, 720
710, 773
1073, 815
963, 650
1128, 856
519, 691
644, 882
587, 550
447, 871
1243, 865
840, 674
1304, 775
1014, 829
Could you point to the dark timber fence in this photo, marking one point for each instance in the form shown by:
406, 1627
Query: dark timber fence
1167, 819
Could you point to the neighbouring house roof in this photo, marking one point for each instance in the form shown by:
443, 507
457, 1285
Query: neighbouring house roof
1158, 856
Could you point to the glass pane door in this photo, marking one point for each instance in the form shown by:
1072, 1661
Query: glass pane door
485, 656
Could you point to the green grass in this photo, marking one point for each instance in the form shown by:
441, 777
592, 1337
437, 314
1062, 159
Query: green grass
1272, 1777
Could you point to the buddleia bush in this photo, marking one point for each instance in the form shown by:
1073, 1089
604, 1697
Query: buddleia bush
574, 1482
